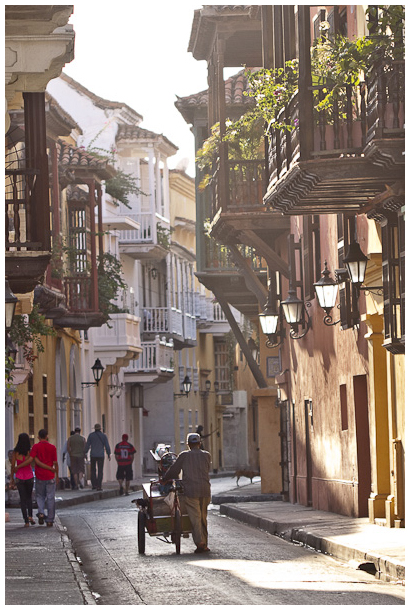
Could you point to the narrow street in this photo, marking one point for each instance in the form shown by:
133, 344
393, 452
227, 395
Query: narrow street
246, 566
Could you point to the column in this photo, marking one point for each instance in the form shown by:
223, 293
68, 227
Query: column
378, 419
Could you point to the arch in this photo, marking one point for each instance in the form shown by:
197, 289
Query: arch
61, 403
76, 399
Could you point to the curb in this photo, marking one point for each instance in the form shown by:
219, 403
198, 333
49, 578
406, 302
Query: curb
231, 499
79, 576
385, 566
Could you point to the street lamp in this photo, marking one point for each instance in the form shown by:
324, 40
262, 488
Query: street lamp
98, 371
294, 309
326, 292
356, 263
10, 305
186, 386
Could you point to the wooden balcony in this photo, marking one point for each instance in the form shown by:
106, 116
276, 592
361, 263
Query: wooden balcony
81, 303
238, 187
155, 364
348, 156
27, 241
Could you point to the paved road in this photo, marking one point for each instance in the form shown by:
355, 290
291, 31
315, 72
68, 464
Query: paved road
246, 566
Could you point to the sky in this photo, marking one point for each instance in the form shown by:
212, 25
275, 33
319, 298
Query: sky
136, 53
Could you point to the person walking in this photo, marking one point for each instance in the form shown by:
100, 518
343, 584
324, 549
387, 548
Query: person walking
124, 453
195, 465
66, 457
22, 474
97, 441
46, 471
76, 451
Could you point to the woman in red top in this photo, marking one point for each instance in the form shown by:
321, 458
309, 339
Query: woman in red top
22, 474
21, 468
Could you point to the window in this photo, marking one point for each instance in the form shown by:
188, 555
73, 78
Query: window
45, 403
222, 368
181, 429
393, 253
343, 406
346, 231
30, 389
311, 254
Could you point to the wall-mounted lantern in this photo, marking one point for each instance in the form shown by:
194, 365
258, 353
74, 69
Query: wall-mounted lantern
186, 387
98, 371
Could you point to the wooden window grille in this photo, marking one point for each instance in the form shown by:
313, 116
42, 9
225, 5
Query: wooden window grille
30, 392
393, 256
346, 231
343, 406
311, 254
222, 368
45, 403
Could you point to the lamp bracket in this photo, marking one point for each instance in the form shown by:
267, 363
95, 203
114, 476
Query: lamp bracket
294, 330
377, 290
88, 384
272, 342
341, 275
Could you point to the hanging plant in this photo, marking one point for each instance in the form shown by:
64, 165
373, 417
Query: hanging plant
27, 332
110, 282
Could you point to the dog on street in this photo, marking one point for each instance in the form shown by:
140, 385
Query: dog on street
250, 474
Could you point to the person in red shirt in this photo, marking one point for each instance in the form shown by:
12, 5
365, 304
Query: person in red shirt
124, 454
45, 454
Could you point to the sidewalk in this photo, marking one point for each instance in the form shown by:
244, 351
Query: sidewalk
348, 539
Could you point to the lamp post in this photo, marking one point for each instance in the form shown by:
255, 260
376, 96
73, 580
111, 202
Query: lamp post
10, 305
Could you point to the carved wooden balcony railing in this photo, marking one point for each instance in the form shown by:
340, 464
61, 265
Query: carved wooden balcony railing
79, 293
20, 216
245, 183
27, 212
218, 257
365, 122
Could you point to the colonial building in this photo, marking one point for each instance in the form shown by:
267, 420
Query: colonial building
38, 43
329, 194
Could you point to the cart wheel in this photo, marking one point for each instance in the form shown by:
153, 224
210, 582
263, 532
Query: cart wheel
141, 532
178, 531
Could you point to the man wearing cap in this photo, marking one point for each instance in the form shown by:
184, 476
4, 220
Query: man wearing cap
75, 448
195, 465
97, 441
124, 454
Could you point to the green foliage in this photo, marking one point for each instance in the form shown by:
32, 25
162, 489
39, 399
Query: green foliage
110, 282
121, 186
67, 259
27, 332
164, 236
245, 142
272, 90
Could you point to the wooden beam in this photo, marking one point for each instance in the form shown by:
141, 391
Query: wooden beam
275, 262
305, 84
256, 371
251, 279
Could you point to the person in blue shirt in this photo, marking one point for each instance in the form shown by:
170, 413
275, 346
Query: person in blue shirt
97, 441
